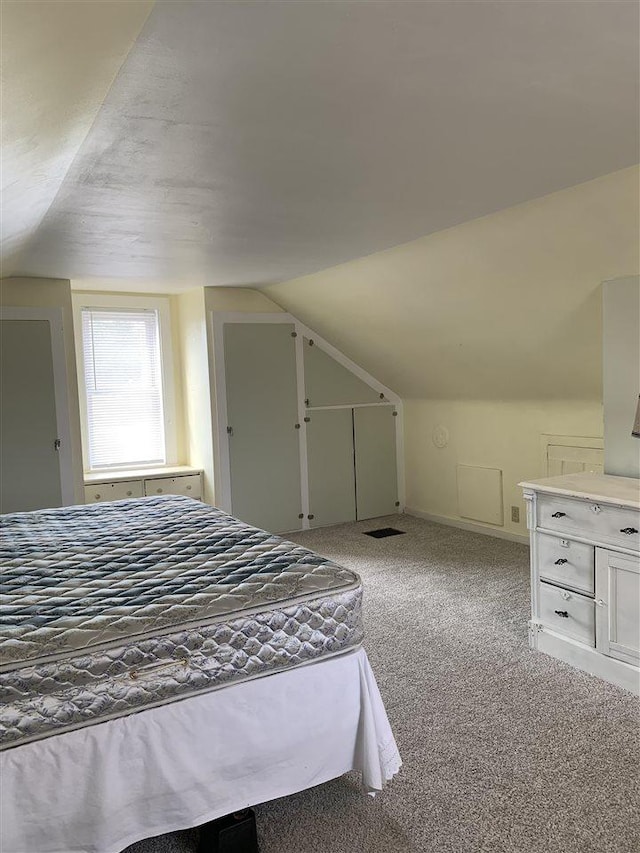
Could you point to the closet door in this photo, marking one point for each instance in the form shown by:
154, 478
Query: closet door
332, 492
262, 411
375, 456
29, 459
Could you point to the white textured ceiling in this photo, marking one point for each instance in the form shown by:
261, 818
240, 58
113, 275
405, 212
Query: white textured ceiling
59, 59
251, 142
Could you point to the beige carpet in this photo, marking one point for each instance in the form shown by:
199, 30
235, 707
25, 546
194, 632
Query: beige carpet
504, 749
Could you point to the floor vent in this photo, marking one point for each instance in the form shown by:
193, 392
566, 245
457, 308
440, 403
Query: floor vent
382, 532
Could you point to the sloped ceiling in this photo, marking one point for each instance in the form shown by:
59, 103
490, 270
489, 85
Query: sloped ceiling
58, 62
506, 307
251, 142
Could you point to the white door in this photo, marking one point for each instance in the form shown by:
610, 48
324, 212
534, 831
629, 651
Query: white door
34, 456
332, 488
562, 459
262, 412
618, 605
374, 431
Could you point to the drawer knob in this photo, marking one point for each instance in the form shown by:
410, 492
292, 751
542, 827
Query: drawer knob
558, 515
97, 497
628, 530
188, 488
596, 508
561, 562
128, 494
562, 613
159, 491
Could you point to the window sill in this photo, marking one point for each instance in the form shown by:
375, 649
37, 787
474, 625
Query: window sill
119, 475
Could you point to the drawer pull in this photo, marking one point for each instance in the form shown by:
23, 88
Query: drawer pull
558, 515
628, 530
560, 562
159, 491
128, 494
97, 497
562, 613
188, 488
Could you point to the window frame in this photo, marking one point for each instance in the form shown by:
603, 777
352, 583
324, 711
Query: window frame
127, 302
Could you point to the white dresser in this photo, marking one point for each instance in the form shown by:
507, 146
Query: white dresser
119, 485
585, 573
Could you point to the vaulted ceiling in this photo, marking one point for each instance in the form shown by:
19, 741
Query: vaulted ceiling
249, 142
59, 60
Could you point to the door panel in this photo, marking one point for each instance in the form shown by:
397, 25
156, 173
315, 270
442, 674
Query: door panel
375, 454
260, 370
618, 615
332, 494
562, 459
328, 383
30, 463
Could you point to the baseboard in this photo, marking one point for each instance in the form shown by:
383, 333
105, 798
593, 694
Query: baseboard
589, 660
522, 538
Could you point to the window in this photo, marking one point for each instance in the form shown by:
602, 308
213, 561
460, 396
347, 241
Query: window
125, 405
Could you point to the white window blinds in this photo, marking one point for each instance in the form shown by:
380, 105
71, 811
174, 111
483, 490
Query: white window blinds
123, 380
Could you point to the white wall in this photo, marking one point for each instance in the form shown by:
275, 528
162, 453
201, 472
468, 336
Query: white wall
195, 386
492, 329
493, 434
621, 357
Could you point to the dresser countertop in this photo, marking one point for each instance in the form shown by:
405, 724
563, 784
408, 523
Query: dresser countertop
622, 491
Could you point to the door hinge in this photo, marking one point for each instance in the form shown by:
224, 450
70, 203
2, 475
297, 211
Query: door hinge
229, 430
57, 444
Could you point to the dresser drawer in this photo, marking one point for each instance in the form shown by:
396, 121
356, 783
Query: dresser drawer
189, 485
98, 492
605, 524
568, 613
566, 562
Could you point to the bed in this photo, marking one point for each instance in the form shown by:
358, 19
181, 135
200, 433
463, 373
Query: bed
239, 648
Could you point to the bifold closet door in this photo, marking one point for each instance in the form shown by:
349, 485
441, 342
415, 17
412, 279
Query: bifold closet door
29, 460
375, 456
332, 492
262, 411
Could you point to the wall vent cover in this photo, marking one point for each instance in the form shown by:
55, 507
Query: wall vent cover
383, 532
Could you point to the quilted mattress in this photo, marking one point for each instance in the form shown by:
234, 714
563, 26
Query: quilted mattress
112, 608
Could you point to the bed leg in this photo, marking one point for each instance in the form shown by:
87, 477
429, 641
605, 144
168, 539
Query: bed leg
234, 833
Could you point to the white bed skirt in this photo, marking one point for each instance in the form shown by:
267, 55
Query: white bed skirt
99, 789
